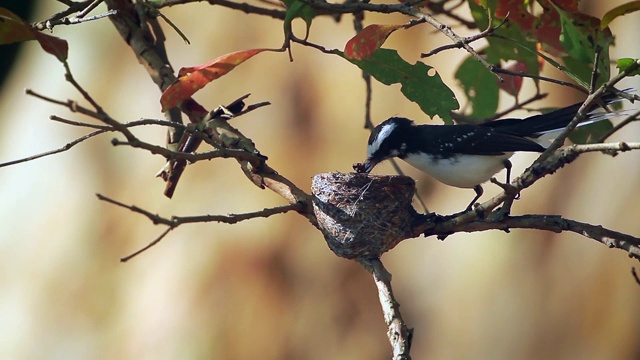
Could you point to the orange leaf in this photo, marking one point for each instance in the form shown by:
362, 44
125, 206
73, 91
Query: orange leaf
366, 42
192, 79
14, 29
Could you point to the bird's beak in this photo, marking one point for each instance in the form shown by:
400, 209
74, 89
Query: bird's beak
369, 165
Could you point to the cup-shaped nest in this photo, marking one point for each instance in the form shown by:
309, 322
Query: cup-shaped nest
362, 215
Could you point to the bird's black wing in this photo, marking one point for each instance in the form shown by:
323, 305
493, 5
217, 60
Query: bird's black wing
449, 140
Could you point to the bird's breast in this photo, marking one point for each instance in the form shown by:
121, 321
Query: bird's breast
463, 171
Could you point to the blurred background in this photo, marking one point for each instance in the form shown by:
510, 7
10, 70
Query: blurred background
270, 288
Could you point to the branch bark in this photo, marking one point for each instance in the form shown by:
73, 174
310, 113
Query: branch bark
399, 334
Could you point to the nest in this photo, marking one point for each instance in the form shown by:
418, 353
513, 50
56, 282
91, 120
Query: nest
363, 215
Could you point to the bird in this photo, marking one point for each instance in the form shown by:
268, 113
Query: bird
467, 155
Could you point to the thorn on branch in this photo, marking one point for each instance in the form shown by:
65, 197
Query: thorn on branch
635, 275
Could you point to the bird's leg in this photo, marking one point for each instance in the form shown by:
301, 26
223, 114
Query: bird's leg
479, 191
508, 166
509, 189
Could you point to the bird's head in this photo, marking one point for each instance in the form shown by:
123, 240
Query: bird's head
387, 140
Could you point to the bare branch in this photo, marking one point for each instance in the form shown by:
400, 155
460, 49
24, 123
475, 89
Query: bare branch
438, 8
55, 151
459, 118
555, 223
89, 8
466, 40
399, 334
235, 218
176, 221
73, 7
534, 173
149, 245
403, 8
50, 24
78, 123
244, 7
580, 115
240, 155
617, 127
539, 77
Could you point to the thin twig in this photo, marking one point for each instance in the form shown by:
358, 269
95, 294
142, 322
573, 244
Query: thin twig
580, 115
234, 218
594, 73
148, 246
617, 127
176, 221
438, 8
77, 20
55, 151
403, 8
459, 118
539, 77
89, 8
244, 7
467, 40
73, 7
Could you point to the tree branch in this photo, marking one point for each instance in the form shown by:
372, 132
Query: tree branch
176, 221
554, 223
244, 7
580, 115
399, 334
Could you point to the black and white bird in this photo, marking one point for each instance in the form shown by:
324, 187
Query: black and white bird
465, 155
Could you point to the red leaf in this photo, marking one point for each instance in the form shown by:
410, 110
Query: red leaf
512, 84
53, 45
192, 79
14, 29
366, 42
517, 11
547, 31
567, 5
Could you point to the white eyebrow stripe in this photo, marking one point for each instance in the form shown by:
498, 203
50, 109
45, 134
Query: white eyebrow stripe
382, 135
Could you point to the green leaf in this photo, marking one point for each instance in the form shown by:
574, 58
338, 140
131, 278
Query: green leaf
501, 45
295, 9
588, 133
479, 87
581, 37
624, 63
619, 11
420, 83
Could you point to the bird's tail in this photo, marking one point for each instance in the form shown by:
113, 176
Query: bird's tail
538, 125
